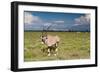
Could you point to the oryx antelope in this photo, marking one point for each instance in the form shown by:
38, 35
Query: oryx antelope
51, 42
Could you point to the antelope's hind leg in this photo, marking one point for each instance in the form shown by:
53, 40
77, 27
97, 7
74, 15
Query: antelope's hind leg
49, 51
55, 50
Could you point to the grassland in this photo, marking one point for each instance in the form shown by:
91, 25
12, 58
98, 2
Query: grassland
73, 45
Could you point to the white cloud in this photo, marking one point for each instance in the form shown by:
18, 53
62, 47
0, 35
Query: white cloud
47, 24
83, 20
59, 22
31, 19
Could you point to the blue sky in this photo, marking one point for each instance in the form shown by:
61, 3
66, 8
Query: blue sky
34, 20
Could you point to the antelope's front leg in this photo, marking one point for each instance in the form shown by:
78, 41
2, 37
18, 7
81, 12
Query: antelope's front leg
49, 52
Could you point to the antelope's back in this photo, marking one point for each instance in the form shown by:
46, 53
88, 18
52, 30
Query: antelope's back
52, 40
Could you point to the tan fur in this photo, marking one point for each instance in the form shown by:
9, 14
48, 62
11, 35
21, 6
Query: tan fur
51, 40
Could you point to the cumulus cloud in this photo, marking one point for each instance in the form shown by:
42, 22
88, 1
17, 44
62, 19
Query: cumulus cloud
59, 22
83, 20
31, 19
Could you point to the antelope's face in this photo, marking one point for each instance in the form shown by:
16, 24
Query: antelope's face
43, 38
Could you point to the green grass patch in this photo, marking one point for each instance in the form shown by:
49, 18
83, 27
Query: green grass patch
72, 45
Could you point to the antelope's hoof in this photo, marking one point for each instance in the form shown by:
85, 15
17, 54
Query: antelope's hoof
49, 54
55, 54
